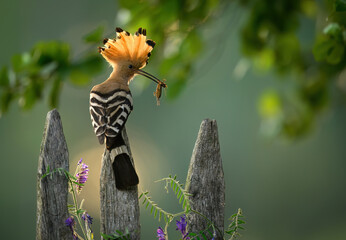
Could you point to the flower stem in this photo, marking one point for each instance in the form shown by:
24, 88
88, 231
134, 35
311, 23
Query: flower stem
76, 208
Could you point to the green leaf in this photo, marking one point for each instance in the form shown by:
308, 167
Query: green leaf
95, 36
53, 51
179, 193
230, 231
17, 62
181, 199
334, 30
55, 93
32, 93
337, 54
340, 5
4, 79
80, 211
321, 48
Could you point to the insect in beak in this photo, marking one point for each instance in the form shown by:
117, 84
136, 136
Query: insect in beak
158, 91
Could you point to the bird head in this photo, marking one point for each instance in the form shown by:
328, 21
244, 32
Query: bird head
128, 54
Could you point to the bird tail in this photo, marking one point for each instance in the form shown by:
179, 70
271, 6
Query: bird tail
124, 172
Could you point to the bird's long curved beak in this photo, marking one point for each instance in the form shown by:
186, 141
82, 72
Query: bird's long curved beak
151, 77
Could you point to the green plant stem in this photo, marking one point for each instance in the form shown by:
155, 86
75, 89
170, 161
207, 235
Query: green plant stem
76, 207
166, 226
178, 214
236, 225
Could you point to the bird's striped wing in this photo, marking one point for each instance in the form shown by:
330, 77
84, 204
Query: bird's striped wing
109, 112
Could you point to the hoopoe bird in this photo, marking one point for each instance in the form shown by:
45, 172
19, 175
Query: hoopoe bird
111, 101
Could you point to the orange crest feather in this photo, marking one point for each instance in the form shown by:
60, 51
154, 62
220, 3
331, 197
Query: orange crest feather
135, 48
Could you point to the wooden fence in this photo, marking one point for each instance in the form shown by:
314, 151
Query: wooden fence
120, 209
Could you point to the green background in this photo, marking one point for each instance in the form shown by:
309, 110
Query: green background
287, 190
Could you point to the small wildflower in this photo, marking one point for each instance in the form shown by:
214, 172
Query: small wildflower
161, 234
88, 221
88, 218
71, 223
181, 226
82, 175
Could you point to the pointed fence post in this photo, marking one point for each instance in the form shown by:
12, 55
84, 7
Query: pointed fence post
119, 209
205, 181
52, 191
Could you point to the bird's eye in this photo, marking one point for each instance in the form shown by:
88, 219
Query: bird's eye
130, 66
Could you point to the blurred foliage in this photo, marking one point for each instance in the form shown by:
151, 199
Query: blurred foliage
270, 37
177, 27
47, 65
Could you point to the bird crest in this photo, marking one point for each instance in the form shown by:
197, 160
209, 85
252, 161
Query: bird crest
127, 47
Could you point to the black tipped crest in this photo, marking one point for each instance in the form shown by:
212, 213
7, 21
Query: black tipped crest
101, 49
118, 29
151, 43
134, 47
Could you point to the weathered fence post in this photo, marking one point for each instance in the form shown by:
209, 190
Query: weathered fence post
205, 180
52, 191
119, 209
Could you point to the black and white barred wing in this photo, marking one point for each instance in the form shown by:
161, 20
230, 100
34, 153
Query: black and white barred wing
109, 112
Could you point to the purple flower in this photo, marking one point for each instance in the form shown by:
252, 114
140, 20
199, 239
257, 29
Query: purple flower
88, 220
82, 175
161, 234
181, 226
87, 217
71, 223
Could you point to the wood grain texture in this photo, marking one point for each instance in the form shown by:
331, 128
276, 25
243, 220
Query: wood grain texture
205, 180
52, 191
119, 209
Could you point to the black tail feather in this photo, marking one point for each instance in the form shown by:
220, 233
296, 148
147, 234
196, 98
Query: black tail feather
124, 172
